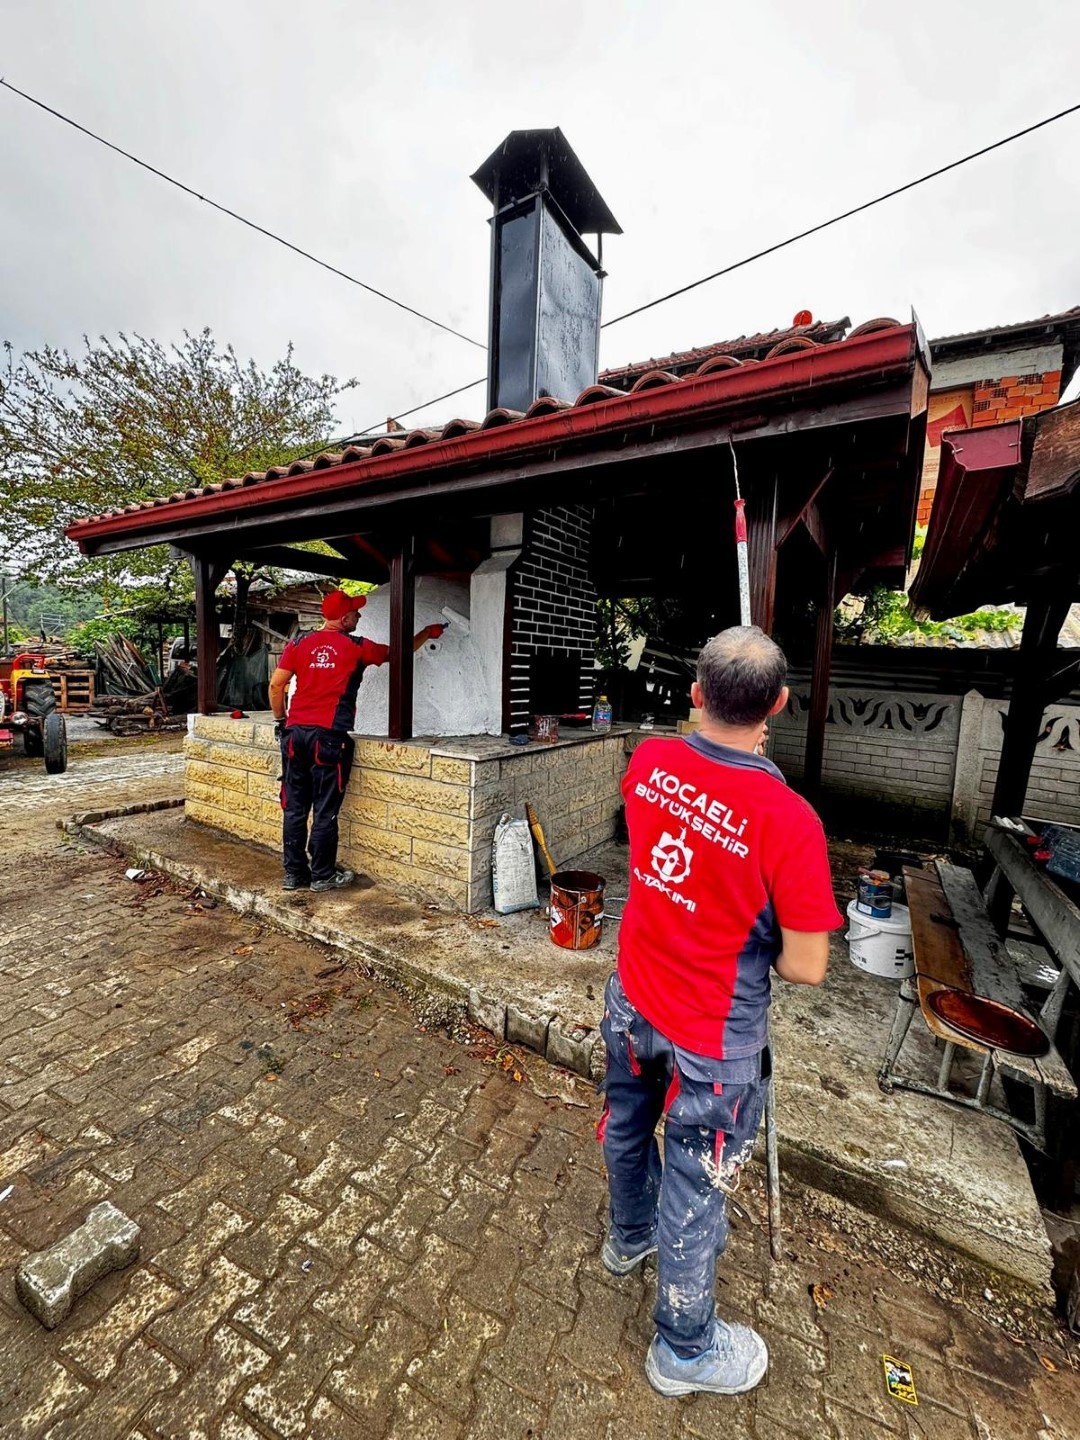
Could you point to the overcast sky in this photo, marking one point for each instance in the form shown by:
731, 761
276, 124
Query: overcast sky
351, 128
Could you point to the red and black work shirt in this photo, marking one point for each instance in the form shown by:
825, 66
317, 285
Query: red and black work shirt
328, 666
722, 854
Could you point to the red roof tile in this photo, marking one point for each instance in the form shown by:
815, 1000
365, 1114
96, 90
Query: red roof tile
650, 376
755, 347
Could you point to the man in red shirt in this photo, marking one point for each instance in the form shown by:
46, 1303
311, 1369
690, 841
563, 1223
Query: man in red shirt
316, 747
729, 881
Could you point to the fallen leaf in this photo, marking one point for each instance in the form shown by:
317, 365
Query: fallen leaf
244, 950
1048, 1364
518, 1076
821, 1295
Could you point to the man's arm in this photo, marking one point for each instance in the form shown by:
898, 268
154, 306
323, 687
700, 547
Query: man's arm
375, 654
279, 688
804, 957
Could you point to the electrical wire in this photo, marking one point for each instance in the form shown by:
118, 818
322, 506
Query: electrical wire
363, 434
802, 235
845, 215
234, 215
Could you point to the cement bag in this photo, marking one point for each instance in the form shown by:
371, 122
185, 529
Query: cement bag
513, 869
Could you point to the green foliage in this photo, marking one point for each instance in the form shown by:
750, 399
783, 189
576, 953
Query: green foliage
95, 632
129, 419
886, 615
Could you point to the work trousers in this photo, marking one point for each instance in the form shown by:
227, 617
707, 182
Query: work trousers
709, 1130
315, 770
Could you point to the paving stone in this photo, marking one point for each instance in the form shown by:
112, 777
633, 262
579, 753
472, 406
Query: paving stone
854, 1376
35, 1398
416, 1418
337, 1234
421, 1291
186, 1330
445, 1371
521, 1359
360, 1287
143, 1375
97, 1348
791, 1393
260, 1250
283, 1400
49, 1282
186, 1260
401, 1229
582, 1407
272, 1313
192, 1412
389, 1342
594, 1344
500, 1411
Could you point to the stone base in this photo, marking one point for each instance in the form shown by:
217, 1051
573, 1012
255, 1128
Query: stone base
419, 815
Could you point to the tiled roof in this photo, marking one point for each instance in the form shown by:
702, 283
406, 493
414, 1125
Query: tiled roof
458, 429
1044, 322
746, 347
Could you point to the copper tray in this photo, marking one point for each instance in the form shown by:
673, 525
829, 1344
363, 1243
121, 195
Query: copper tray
989, 1023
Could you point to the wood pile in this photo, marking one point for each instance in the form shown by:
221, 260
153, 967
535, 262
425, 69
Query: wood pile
121, 669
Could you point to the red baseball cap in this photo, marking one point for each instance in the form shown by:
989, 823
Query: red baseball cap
337, 604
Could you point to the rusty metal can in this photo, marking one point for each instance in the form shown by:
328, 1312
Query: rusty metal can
577, 908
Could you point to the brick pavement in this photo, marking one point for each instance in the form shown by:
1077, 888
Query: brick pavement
355, 1228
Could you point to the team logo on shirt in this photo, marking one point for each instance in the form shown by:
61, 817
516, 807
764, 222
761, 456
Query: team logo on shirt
323, 658
671, 857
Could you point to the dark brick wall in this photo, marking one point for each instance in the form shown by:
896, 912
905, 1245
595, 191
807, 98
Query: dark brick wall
554, 603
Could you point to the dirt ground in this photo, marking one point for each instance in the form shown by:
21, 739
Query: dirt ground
354, 1226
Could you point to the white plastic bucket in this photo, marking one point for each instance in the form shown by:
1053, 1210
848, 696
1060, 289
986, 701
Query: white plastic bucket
881, 946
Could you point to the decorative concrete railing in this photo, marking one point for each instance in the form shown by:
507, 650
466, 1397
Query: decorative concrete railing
929, 762
419, 815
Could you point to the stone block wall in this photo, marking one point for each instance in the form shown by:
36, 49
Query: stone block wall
419, 815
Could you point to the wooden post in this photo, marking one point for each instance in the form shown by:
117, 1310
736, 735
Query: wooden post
208, 576
761, 534
402, 598
819, 680
1031, 692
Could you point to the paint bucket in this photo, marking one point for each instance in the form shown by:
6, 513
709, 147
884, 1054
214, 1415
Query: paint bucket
875, 897
577, 908
882, 945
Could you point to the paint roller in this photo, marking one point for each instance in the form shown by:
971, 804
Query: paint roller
454, 618
772, 1155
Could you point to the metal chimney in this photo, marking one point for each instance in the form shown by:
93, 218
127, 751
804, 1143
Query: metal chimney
544, 327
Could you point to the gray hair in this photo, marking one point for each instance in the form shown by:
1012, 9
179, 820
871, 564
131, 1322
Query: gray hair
741, 672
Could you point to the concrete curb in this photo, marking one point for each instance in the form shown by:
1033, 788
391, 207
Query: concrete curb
434, 999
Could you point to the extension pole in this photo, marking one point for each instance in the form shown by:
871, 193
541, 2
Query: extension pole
772, 1157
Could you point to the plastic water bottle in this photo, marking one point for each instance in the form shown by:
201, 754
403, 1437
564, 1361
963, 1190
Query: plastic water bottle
601, 715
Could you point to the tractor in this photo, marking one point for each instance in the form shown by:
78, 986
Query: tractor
28, 705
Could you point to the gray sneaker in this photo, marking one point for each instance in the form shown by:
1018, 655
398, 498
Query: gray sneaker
735, 1361
340, 877
621, 1259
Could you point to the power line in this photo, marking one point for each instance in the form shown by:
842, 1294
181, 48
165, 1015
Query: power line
846, 215
362, 434
251, 224
792, 239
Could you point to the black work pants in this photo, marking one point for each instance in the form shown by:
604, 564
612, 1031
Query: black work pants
315, 771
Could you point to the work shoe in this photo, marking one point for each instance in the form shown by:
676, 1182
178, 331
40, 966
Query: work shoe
622, 1259
735, 1361
340, 877
296, 882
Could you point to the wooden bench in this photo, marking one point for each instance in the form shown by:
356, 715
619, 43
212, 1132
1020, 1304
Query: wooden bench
956, 947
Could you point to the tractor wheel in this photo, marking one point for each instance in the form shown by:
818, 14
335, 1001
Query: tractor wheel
54, 736
32, 741
38, 698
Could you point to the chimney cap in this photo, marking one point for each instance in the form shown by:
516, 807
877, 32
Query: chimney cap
516, 169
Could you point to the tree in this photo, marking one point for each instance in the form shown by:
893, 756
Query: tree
129, 419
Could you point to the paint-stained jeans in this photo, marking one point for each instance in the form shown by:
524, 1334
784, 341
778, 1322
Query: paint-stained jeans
315, 771
709, 1131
